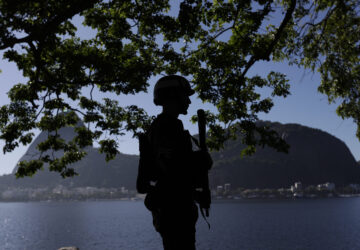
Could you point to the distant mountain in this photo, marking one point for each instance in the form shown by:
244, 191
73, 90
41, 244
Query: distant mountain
66, 133
93, 170
315, 157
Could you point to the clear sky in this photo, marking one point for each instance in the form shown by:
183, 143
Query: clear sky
304, 106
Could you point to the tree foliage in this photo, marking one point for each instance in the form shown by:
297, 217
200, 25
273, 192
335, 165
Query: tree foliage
138, 39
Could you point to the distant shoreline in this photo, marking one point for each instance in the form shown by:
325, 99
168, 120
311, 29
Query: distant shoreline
214, 200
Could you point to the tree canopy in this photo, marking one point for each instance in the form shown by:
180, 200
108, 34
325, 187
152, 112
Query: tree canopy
138, 39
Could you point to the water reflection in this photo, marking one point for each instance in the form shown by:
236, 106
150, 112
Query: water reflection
301, 224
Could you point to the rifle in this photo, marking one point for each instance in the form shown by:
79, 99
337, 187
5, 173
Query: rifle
205, 193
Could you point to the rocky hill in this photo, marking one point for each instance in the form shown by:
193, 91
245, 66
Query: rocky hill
93, 170
314, 157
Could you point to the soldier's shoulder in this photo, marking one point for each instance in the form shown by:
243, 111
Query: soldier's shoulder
165, 122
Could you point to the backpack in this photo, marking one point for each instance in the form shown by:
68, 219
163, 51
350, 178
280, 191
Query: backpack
147, 172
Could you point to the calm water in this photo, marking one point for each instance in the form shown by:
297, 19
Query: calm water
300, 224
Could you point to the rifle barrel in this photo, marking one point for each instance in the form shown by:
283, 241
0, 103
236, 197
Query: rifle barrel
202, 128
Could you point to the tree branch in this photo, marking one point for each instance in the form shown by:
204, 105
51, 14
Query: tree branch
218, 34
267, 53
39, 32
10, 42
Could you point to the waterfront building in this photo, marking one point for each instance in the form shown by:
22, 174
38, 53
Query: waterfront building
123, 190
329, 186
297, 187
227, 187
355, 187
219, 190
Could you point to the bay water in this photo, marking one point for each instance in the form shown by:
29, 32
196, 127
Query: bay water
246, 224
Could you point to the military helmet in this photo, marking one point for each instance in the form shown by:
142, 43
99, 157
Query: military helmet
170, 84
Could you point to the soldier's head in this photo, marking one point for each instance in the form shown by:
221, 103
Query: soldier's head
173, 91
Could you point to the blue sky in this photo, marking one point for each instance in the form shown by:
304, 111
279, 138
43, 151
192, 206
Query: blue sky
304, 106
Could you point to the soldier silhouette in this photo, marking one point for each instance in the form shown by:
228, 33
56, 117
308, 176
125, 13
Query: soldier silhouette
169, 168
